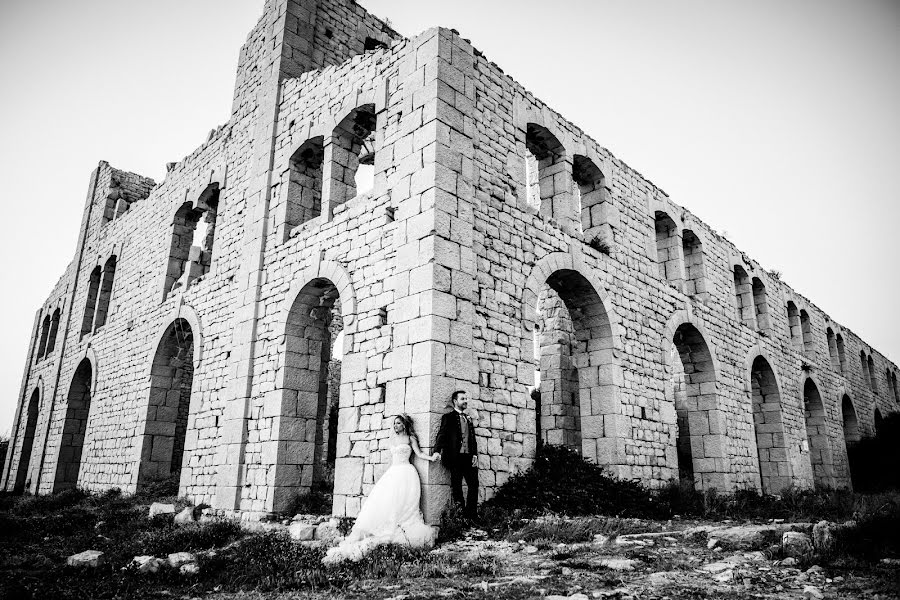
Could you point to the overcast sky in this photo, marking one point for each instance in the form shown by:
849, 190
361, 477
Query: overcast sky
774, 121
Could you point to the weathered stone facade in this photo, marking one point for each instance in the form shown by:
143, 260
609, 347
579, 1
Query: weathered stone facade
198, 329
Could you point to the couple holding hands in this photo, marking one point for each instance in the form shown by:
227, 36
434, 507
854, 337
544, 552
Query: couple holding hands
391, 514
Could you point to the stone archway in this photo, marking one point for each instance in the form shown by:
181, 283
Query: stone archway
820, 456
27, 442
309, 392
575, 351
700, 423
771, 446
74, 430
168, 407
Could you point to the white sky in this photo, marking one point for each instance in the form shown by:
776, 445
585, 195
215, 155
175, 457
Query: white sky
774, 121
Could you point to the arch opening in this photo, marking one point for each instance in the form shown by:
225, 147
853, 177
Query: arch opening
168, 406
27, 443
592, 196
761, 304
771, 446
694, 269
743, 297
54, 331
87, 322
352, 152
307, 444
193, 239
74, 429
851, 433
668, 249
303, 200
104, 293
809, 344
548, 173
574, 352
45, 333
700, 430
820, 456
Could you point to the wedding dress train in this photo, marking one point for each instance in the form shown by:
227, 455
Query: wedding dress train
390, 515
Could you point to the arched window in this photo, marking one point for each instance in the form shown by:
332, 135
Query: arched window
832, 349
809, 345
794, 331
895, 387
761, 304
842, 353
103, 297
54, 330
743, 297
879, 422
350, 158
864, 367
193, 237
694, 269
593, 198
87, 322
549, 176
45, 332
303, 192
668, 249
873, 381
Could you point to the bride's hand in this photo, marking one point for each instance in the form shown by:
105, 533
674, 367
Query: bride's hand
435, 456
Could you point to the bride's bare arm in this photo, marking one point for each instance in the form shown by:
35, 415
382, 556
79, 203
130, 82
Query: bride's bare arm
414, 444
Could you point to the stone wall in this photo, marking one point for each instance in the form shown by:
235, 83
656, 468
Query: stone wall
497, 240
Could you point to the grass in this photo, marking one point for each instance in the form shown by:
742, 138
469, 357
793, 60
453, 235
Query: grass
563, 499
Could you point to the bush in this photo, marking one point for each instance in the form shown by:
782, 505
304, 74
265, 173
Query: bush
562, 482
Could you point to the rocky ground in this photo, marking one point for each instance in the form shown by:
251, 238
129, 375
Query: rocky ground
669, 560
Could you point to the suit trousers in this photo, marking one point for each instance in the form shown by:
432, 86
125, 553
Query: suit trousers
462, 469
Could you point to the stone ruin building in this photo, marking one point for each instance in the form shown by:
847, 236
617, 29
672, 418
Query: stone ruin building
385, 220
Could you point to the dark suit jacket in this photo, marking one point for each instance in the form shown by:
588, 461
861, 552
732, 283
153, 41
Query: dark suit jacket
449, 439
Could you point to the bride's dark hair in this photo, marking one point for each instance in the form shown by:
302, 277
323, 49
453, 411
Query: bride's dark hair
408, 425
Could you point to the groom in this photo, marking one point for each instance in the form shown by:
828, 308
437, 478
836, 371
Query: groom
458, 448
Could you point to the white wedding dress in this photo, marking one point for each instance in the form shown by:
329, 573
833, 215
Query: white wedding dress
390, 515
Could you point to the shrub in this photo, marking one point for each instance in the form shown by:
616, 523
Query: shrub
562, 482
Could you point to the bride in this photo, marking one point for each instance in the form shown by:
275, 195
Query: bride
391, 514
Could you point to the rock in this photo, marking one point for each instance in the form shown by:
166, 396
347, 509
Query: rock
176, 559
755, 537
891, 562
794, 543
328, 532
711, 543
530, 550
159, 509
662, 577
189, 569
790, 561
811, 592
823, 536
617, 564
302, 532
717, 567
185, 516
88, 558
724, 576
147, 564
601, 540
